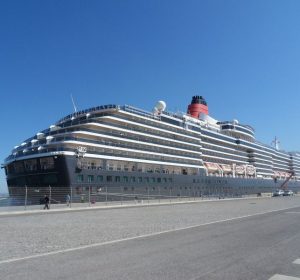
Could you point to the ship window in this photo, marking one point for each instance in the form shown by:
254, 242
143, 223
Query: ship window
158, 180
117, 179
90, 178
99, 178
140, 179
132, 179
109, 178
19, 167
170, 180
47, 163
147, 179
10, 169
153, 180
110, 166
165, 180
30, 165
80, 178
125, 178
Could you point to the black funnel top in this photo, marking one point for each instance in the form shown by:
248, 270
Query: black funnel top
198, 100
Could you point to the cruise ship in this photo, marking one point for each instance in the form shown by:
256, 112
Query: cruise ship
123, 149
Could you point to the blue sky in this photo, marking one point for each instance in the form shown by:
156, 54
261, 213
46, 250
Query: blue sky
242, 56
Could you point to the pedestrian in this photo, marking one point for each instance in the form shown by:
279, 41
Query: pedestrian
46, 201
68, 199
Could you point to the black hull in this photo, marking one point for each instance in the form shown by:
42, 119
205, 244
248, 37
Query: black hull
116, 185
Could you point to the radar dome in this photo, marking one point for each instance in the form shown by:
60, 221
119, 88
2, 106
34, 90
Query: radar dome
235, 121
160, 106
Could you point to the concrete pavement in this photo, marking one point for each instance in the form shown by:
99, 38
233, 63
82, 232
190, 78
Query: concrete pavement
224, 240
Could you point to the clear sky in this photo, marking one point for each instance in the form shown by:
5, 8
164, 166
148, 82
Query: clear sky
242, 56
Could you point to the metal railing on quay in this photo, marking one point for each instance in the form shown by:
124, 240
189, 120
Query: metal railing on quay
64, 197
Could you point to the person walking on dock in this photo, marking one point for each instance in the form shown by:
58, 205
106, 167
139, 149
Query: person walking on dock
46, 200
68, 199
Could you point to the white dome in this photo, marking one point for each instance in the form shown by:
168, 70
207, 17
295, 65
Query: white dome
160, 106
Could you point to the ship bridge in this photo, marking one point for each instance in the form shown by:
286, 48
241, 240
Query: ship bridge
235, 129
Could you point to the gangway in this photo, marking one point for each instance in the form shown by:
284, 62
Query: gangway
285, 183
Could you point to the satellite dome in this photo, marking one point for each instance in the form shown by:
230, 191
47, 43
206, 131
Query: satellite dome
235, 121
161, 106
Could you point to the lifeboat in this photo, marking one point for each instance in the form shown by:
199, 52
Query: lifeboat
226, 168
250, 169
212, 167
240, 169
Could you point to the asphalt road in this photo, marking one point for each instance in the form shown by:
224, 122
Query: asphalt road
256, 241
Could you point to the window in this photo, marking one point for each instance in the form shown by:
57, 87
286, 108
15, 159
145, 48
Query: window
132, 179
170, 180
158, 180
30, 165
125, 179
117, 179
80, 178
109, 178
146, 179
140, 179
99, 178
90, 178
153, 180
110, 166
47, 163
19, 167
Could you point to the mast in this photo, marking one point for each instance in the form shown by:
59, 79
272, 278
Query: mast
275, 143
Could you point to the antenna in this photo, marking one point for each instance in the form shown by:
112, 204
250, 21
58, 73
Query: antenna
275, 142
75, 109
